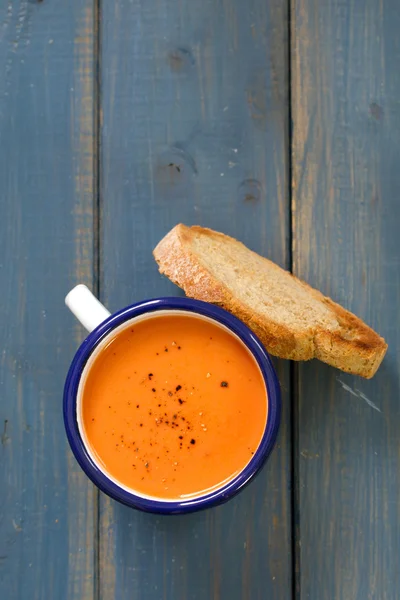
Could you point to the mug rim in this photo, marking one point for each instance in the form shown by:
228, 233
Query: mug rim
254, 346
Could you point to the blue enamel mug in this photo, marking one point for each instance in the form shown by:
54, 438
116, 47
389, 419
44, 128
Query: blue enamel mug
102, 327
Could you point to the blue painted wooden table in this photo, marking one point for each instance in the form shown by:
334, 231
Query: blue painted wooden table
284, 120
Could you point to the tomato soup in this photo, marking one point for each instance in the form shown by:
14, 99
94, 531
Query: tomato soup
173, 407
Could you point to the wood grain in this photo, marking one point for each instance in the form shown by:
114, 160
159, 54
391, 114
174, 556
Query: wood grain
346, 180
46, 175
195, 129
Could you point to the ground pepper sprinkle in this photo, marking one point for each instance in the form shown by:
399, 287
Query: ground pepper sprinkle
224, 384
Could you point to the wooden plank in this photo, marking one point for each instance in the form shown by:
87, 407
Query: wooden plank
195, 120
46, 175
346, 86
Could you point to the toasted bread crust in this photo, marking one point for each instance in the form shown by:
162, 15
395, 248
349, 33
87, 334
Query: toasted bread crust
353, 347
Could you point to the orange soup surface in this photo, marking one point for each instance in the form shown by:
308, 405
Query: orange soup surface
173, 407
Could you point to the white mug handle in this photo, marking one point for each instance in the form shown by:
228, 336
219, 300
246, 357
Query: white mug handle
86, 307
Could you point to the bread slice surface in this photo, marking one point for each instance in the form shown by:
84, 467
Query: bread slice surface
292, 319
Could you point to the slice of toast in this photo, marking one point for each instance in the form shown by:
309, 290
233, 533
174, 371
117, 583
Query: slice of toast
292, 319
